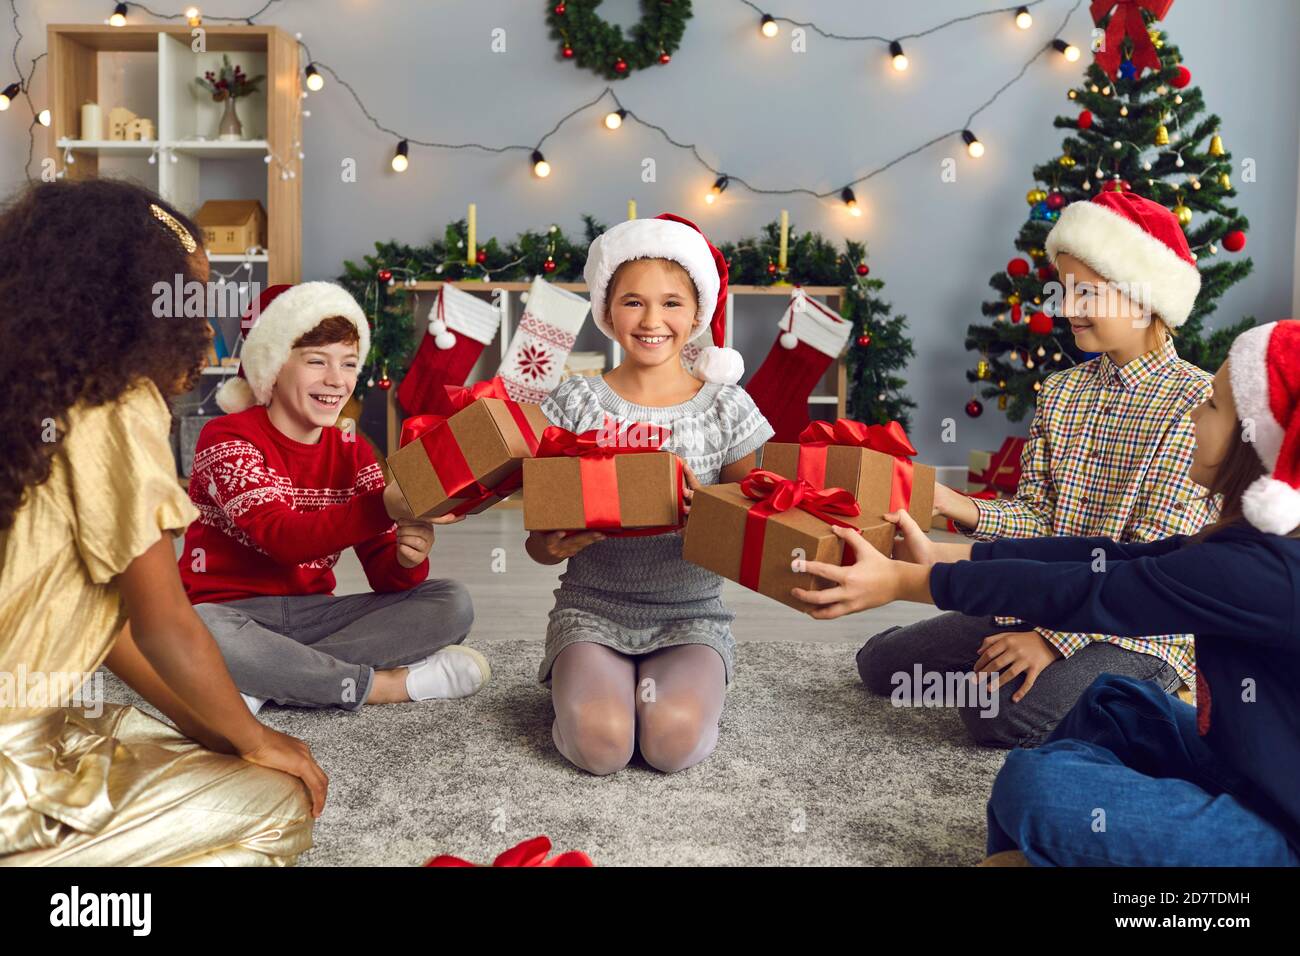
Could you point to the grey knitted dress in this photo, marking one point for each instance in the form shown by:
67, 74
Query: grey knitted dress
637, 594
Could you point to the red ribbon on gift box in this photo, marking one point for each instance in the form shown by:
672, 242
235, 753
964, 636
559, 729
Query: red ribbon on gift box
1006, 458
774, 495
444, 452
889, 439
1126, 21
596, 450
529, 853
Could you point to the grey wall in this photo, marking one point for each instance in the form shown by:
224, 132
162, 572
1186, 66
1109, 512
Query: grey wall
757, 109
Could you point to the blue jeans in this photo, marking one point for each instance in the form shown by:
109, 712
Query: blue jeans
1126, 780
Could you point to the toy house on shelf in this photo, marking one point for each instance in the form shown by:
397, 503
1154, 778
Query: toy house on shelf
232, 226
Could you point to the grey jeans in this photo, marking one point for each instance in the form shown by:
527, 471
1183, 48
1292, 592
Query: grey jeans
949, 643
322, 651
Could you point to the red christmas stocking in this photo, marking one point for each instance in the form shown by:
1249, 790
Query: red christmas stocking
460, 324
812, 336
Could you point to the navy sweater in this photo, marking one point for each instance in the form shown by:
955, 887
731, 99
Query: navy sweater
1238, 591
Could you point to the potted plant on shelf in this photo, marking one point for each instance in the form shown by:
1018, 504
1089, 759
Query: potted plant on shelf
225, 86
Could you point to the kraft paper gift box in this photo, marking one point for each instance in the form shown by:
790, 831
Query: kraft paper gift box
603, 480
996, 470
872, 462
466, 462
745, 540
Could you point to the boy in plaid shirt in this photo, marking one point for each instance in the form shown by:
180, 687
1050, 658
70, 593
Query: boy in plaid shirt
1108, 454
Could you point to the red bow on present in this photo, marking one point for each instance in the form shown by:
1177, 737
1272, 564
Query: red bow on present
461, 396
595, 451
774, 495
889, 439
1127, 21
529, 853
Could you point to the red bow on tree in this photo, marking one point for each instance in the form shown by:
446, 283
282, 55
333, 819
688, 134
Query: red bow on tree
529, 853
1126, 21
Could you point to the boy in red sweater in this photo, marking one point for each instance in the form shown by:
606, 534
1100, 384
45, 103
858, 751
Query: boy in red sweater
280, 493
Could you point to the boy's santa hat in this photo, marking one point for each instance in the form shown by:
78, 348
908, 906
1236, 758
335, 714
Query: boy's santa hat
283, 314
1264, 366
670, 237
1136, 242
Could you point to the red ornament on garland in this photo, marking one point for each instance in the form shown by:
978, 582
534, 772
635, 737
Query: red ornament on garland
385, 275
771, 268
567, 52
482, 256
549, 265
1182, 76
1044, 273
1085, 119
1018, 268
974, 408
620, 65
864, 340
1235, 241
559, 9
1040, 323
863, 269
664, 58
385, 383
1055, 201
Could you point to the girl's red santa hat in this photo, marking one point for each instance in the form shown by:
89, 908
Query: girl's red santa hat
1136, 242
283, 314
670, 237
1264, 366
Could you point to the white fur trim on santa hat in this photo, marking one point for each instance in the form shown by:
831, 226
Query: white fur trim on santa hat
291, 314
1272, 506
1248, 371
1121, 251
235, 395
652, 239
721, 366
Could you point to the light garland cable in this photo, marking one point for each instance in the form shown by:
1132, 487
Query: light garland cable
888, 40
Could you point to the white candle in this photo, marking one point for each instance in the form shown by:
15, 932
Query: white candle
92, 122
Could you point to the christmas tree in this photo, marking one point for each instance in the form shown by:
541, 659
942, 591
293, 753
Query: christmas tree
1136, 128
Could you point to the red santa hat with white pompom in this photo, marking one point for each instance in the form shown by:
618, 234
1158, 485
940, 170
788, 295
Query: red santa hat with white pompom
670, 237
1264, 366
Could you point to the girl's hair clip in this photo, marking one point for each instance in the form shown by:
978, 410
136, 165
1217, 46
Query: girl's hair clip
168, 220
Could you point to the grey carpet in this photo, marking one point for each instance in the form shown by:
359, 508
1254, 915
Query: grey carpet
810, 769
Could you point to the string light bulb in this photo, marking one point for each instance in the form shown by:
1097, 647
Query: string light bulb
719, 184
541, 168
315, 81
43, 117
118, 17
401, 158
1023, 19
615, 119
850, 201
1067, 50
899, 57
767, 26
194, 16
9, 94
973, 145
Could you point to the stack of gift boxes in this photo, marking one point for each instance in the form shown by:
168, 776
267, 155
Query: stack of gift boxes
617, 480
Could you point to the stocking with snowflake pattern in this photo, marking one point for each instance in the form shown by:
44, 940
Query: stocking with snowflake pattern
547, 330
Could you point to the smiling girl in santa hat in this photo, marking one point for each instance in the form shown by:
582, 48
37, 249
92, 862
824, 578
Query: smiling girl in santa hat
639, 645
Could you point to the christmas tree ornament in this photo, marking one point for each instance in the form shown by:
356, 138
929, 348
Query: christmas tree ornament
1225, 180
1085, 119
1013, 299
1156, 40
1183, 214
1037, 253
1162, 135
1234, 241
384, 382
460, 325
1123, 111
1015, 314
534, 361
567, 52
982, 369
1055, 201
864, 341
1067, 161
1040, 323
1127, 22
1179, 162
385, 275
1045, 273
1117, 185
1035, 196
1127, 70
974, 408
780, 387
665, 59
1002, 402
1018, 268
549, 265
1216, 145
863, 269
481, 256
1182, 76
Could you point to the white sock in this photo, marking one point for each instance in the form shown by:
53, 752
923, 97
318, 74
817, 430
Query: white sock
455, 671
254, 703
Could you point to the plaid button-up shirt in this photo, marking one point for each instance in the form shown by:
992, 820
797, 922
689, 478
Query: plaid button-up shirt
1108, 454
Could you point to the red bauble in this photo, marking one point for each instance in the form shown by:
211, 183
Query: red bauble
1055, 200
1118, 186
1235, 241
620, 65
864, 340
1044, 273
385, 275
385, 383
1015, 312
482, 256
1018, 268
567, 52
559, 9
1182, 76
1085, 119
974, 408
1040, 323
664, 58
771, 268
863, 269
549, 265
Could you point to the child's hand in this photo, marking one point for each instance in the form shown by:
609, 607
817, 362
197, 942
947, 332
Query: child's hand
414, 539
912, 544
1013, 653
395, 502
560, 545
692, 485
870, 581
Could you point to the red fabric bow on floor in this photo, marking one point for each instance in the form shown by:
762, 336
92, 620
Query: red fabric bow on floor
529, 853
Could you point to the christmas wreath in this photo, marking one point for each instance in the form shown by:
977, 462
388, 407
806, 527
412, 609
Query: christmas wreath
601, 47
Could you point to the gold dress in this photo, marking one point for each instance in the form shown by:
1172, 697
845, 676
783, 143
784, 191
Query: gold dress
97, 784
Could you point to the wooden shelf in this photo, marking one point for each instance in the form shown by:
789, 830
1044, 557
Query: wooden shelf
239, 257
110, 147
219, 149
